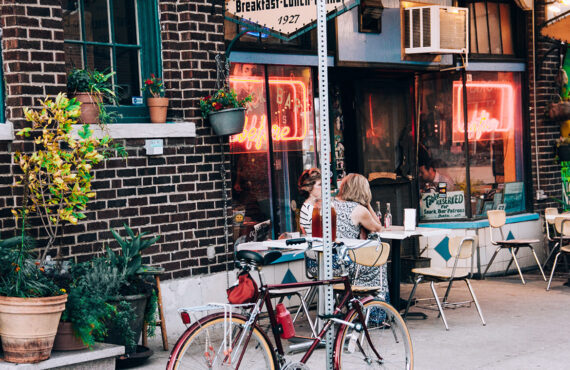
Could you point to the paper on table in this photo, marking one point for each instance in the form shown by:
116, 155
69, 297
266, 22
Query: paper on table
409, 219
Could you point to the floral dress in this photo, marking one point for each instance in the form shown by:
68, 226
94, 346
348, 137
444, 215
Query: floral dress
364, 275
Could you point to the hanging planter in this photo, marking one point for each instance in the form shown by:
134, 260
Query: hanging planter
157, 108
227, 121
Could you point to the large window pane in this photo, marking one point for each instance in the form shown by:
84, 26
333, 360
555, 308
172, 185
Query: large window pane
441, 158
495, 140
256, 197
491, 28
71, 20
127, 74
73, 56
96, 17
124, 20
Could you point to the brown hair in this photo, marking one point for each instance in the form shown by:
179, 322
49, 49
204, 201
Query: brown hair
307, 180
354, 187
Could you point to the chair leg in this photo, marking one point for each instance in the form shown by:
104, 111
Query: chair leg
418, 280
554, 249
552, 272
447, 291
517, 264
479, 311
440, 308
491, 262
511, 261
537, 262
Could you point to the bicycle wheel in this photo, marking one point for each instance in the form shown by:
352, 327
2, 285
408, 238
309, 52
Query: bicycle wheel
388, 335
202, 347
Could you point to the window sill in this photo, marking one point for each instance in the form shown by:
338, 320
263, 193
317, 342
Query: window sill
478, 224
144, 130
6, 131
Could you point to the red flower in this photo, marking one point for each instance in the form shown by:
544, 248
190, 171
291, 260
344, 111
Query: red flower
218, 106
148, 82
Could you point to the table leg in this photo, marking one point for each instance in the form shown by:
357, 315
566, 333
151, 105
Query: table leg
396, 274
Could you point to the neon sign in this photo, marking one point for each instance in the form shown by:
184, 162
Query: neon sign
490, 109
290, 109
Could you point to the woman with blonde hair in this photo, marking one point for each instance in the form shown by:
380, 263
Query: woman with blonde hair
353, 212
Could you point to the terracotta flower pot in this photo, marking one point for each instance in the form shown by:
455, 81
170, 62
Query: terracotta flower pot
157, 108
28, 327
89, 107
65, 339
227, 121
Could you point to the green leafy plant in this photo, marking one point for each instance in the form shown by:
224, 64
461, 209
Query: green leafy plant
154, 86
21, 275
57, 175
222, 99
98, 84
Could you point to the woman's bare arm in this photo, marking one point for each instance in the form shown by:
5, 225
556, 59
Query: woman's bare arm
366, 218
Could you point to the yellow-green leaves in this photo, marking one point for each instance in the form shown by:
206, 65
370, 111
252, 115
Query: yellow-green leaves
57, 174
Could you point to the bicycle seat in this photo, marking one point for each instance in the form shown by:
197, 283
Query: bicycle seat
256, 259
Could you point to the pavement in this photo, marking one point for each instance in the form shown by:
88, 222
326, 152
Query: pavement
527, 328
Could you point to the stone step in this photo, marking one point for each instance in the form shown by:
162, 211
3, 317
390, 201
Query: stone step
100, 357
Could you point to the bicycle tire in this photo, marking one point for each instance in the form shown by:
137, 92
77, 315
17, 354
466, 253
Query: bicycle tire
189, 353
389, 336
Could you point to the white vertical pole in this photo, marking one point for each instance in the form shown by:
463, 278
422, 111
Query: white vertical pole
325, 167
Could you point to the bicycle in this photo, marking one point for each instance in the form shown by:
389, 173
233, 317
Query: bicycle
371, 333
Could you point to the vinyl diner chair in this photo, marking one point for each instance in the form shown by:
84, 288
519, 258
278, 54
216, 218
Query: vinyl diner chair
562, 225
459, 248
497, 219
374, 255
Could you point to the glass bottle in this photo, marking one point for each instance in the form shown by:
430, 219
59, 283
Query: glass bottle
388, 217
379, 212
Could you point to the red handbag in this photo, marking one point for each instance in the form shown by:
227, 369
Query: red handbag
245, 291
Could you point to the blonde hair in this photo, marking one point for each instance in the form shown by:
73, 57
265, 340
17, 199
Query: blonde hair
355, 187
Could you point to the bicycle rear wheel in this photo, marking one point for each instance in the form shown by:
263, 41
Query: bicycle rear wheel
388, 336
202, 347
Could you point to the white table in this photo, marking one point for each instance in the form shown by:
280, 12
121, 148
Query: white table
551, 218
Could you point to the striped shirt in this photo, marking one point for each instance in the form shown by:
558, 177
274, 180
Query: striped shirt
306, 218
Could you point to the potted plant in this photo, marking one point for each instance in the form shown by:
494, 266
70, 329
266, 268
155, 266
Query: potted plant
30, 303
57, 174
225, 111
157, 103
92, 89
135, 299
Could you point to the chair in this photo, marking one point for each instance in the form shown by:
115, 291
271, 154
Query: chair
459, 248
374, 255
562, 225
551, 236
497, 219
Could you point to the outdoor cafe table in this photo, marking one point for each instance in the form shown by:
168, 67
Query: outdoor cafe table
396, 234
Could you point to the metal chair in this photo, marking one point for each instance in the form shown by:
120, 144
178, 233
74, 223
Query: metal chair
551, 236
374, 255
497, 219
562, 225
459, 248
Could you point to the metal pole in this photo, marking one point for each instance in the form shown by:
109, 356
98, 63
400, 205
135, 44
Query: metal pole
325, 167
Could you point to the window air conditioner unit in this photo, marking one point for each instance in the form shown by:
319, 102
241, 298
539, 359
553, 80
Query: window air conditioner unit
436, 29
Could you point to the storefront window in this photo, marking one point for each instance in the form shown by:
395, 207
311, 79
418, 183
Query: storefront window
262, 192
494, 144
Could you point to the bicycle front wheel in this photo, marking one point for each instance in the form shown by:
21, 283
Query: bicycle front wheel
202, 346
389, 347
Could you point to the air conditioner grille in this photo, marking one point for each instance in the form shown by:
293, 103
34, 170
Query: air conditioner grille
416, 31
407, 17
452, 29
426, 22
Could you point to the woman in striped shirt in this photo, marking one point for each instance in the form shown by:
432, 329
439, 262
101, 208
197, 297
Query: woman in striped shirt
309, 185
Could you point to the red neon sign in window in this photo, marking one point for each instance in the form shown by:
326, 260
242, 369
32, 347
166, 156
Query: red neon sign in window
290, 109
490, 109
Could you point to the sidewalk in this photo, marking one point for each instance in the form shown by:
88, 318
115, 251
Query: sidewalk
527, 328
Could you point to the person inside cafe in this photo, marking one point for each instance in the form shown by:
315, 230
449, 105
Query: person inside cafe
430, 177
353, 213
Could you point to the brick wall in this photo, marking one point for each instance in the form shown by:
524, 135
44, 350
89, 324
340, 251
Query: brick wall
547, 131
177, 195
